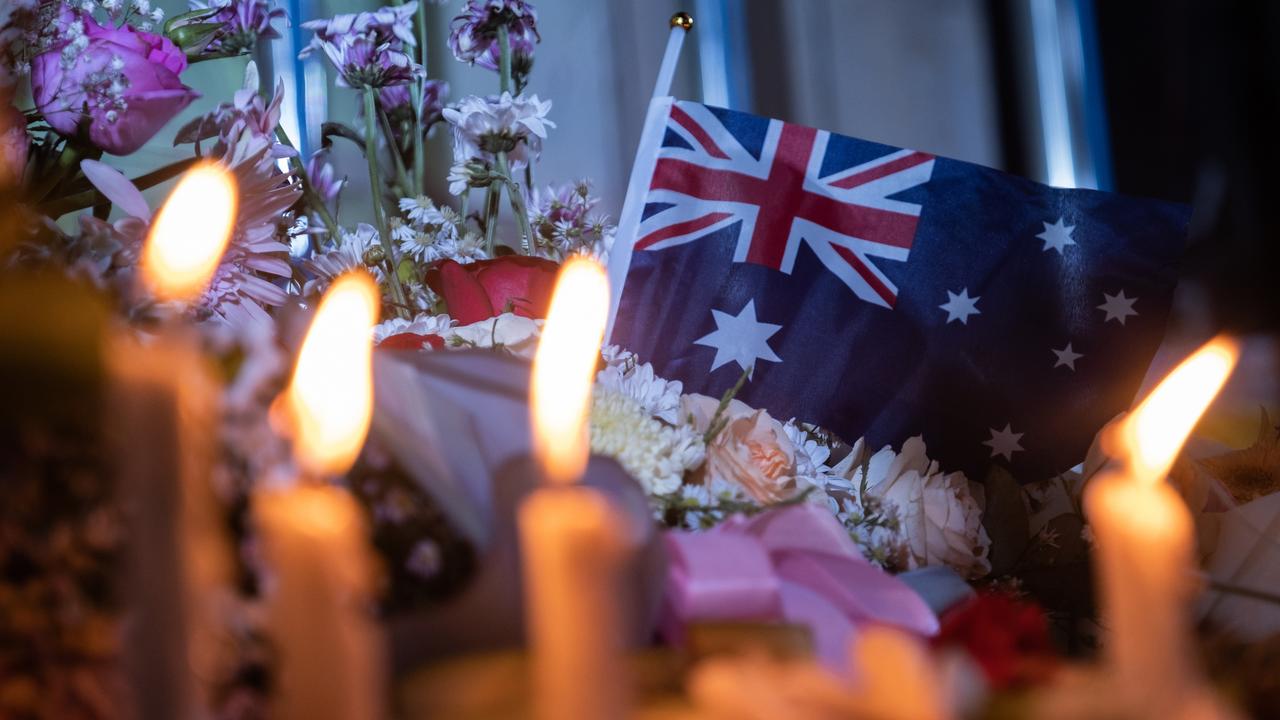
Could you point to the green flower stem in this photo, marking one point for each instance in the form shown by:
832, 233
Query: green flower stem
419, 132
491, 216
504, 59
402, 176
517, 204
68, 163
379, 213
308, 190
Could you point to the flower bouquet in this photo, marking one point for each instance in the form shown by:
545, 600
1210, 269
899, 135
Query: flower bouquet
100, 78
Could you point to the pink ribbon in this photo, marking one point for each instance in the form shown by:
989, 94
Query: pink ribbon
795, 564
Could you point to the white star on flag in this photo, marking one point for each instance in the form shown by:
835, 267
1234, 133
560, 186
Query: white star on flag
1004, 442
1118, 307
960, 306
1067, 356
1057, 236
741, 339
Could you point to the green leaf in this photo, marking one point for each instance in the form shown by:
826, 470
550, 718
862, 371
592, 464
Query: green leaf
1005, 520
193, 38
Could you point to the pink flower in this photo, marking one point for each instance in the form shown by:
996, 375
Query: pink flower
14, 145
112, 87
751, 451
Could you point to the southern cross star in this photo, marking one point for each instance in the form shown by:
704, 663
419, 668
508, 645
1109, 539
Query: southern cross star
1118, 307
960, 306
740, 338
1004, 442
1067, 356
1057, 236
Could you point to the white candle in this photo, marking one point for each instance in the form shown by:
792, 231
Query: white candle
331, 653
162, 415
162, 418
1145, 538
573, 541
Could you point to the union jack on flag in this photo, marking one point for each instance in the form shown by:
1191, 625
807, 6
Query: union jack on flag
778, 197
887, 293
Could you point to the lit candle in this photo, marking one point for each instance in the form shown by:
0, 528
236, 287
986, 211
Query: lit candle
190, 234
1144, 537
331, 654
573, 541
162, 416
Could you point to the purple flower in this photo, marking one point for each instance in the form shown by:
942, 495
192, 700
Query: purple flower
434, 93
114, 87
243, 23
248, 114
322, 177
397, 99
368, 48
474, 35
563, 222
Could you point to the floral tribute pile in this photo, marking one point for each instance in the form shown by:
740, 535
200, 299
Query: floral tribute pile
99, 78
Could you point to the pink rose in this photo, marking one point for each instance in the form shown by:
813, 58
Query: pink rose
14, 144
114, 88
752, 451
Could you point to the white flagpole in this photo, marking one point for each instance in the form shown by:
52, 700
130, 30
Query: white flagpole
681, 24
642, 166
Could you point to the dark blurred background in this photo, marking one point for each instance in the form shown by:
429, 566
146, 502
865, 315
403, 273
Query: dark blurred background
1175, 99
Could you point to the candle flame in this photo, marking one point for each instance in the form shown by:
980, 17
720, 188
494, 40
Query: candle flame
330, 398
1156, 430
564, 369
190, 233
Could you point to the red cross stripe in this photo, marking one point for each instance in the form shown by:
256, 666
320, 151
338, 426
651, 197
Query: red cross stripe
846, 218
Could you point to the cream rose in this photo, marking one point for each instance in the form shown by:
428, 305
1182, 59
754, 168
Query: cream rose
941, 521
752, 451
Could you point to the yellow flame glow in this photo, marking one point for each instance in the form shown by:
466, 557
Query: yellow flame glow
330, 398
190, 233
1153, 434
564, 369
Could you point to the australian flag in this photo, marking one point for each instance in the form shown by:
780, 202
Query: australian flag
885, 293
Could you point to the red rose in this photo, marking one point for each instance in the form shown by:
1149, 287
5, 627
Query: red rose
480, 290
411, 341
1007, 638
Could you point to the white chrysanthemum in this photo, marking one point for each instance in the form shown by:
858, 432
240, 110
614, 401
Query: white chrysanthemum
617, 355
654, 453
348, 255
811, 459
418, 209
484, 126
459, 179
658, 397
419, 325
401, 232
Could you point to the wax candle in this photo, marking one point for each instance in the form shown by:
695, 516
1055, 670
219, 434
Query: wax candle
162, 418
331, 655
330, 652
574, 541
1145, 538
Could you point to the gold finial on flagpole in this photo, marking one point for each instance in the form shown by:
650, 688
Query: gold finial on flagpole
682, 20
